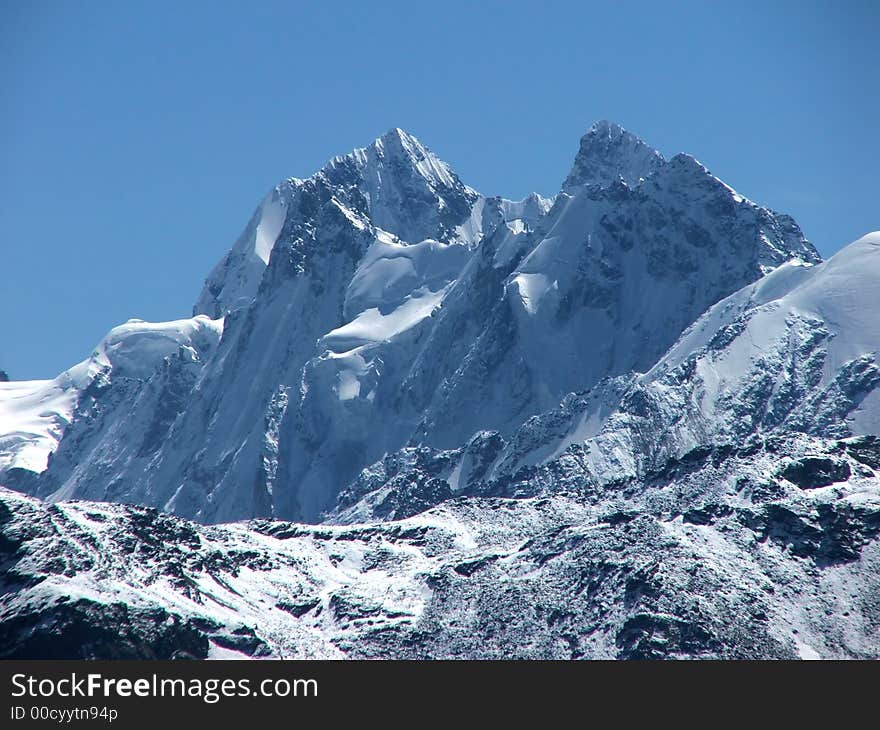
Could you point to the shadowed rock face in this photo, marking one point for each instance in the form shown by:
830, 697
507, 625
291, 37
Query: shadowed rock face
812, 472
83, 629
609, 153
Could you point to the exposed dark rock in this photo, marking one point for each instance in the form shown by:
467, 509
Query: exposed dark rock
865, 449
707, 514
470, 567
813, 472
84, 629
652, 636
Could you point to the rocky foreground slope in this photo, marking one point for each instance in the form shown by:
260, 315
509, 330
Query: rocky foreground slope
771, 554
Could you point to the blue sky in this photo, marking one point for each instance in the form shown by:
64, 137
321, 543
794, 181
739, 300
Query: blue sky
136, 138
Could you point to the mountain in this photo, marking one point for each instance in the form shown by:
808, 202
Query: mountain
396, 184
382, 304
640, 419
608, 153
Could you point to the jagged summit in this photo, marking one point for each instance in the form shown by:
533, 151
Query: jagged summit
398, 152
395, 183
404, 187
686, 185
607, 153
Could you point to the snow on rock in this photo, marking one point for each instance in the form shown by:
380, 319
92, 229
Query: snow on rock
636, 420
609, 153
235, 279
793, 354
405, 188
604, 285
390, 271
526, 212
801, 344
35, 414
135, 349
382, 304
689, 564
373, 325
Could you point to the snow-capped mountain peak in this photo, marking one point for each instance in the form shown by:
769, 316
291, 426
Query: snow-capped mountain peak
395, 184
404, 188
397, 146
609, 153
685, 186
382, 303
637, 420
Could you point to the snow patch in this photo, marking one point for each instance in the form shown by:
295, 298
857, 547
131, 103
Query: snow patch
372, 325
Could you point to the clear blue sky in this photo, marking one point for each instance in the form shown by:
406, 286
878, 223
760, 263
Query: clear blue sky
136, 138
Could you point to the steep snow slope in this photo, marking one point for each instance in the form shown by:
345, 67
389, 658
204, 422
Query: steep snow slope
825, 315
604, 286
601, 284
234, 280
382, 302
33, 415
215, 455
795, 352
638, 420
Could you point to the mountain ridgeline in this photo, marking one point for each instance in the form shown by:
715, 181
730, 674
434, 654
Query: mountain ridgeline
383, 304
